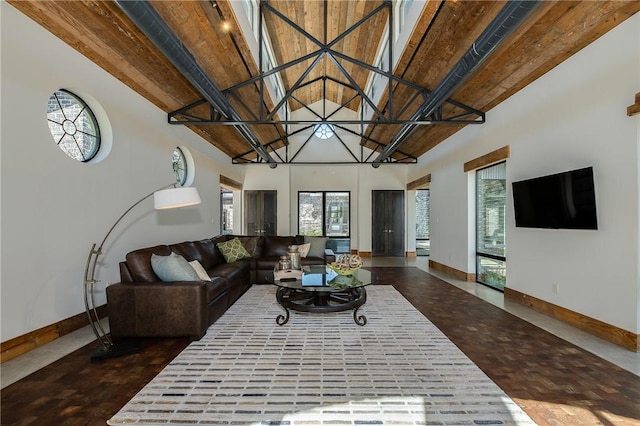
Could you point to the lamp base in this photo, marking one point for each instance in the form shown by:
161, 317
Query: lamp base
124, 347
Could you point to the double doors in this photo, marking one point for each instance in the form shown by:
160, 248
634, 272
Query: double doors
387, 233
261, 214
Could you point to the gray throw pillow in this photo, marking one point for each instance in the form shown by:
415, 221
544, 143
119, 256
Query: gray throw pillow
173, 268
318, 244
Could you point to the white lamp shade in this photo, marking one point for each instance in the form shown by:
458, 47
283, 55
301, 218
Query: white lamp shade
173, 198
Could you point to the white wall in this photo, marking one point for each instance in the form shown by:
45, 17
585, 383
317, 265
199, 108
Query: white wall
54, 208
360, 180
572, 117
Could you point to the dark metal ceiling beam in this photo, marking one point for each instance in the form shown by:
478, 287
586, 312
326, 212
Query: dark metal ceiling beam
218, 114
364, 96
295, 86
507, 20
406, 158
478, 116
151, 24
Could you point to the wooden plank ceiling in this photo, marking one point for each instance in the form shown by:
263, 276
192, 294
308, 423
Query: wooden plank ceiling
209, 30
288, 44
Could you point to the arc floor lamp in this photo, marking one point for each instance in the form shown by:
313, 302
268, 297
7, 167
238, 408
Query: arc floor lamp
168, 197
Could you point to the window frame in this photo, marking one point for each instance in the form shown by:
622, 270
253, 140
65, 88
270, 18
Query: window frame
324, 212
223, 229
428, 220
324, 131
85, 109
481, 254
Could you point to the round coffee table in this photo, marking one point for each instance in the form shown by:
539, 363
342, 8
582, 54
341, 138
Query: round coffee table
323, 290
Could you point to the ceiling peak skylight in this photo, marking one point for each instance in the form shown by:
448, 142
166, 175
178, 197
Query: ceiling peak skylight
323, 130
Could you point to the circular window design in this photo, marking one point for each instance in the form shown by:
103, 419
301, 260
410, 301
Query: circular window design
183, 167
73, 126
323, 130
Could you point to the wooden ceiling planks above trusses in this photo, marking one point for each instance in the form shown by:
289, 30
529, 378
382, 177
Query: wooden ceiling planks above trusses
289, 44
445, 30
200, 25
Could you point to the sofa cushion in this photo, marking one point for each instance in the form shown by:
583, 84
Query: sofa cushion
210, 256
188, 250
233, 250
232, 272
267, 263
276, 246
173, 268
318, 245
252, 245
216, 287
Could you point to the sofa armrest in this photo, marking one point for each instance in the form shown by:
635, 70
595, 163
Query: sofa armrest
329, 256
158, 309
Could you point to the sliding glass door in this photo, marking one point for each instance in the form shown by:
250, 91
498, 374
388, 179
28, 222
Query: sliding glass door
491, 206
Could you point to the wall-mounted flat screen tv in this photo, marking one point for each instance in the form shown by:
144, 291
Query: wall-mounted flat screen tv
561, 201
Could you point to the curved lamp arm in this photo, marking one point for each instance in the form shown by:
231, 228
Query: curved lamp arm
92, 261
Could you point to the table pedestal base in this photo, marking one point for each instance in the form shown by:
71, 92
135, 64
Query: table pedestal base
321, 301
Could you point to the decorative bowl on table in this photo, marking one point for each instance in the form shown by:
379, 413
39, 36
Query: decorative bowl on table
346, 264
341, 271
344, 282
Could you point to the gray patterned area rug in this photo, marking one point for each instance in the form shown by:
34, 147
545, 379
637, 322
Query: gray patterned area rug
322, 369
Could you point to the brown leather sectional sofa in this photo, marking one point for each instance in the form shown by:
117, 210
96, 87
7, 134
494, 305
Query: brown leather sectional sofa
142, 305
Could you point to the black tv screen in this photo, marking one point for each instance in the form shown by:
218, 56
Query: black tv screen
561, 201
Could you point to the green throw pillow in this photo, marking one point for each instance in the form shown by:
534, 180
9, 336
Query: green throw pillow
233, 250
318, 245
173, 268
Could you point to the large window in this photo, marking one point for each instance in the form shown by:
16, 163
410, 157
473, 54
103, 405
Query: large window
326, 213
423, 243
491, 205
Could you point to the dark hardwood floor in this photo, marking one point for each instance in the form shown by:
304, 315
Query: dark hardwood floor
555, 382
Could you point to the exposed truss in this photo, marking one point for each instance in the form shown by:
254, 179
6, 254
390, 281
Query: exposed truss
204, 112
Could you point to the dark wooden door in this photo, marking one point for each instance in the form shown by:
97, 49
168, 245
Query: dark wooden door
261, 212
387, 223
